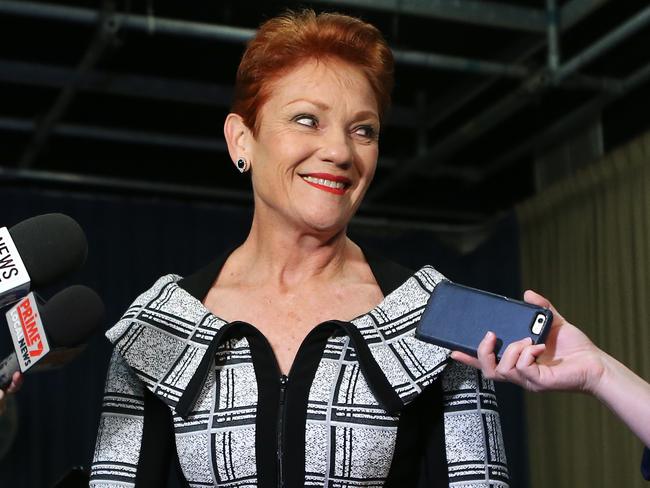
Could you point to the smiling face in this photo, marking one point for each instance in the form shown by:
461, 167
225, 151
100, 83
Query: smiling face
316, 149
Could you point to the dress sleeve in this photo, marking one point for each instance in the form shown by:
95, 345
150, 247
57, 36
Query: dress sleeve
135, 439
473, 440
121, 426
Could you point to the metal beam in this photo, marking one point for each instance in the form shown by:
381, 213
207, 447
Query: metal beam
135, 22
193, 143
483, 13
604, 44
151, 87
453, 100
13, 176
454, 63
558, 130
176, 141
119, 135
241, 35
575, 11
419, 219
509, 105
494, 14
567, 124
553, 36
104, 34
440, 153
148, 87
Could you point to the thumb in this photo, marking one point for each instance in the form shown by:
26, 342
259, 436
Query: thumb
535, 298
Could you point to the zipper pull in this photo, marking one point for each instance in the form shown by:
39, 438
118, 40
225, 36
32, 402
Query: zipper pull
284, 379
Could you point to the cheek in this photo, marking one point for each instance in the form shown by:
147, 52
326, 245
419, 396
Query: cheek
284, 151
278, 158
369, 157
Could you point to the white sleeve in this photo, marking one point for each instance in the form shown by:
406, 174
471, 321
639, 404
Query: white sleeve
119, 438
475, 451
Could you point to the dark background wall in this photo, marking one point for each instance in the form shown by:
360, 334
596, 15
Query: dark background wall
133, 239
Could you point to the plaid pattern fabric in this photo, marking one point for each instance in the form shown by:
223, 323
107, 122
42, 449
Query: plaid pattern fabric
349, 437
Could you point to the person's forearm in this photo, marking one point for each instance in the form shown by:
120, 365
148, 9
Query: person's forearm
627, 395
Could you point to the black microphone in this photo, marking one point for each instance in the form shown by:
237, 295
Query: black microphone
37, 252
51, 332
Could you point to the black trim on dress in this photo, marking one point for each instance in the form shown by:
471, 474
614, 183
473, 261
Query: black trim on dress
418, 421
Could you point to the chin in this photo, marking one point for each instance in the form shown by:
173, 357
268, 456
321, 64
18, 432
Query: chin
326, 223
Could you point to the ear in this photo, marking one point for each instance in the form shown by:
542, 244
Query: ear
238, 137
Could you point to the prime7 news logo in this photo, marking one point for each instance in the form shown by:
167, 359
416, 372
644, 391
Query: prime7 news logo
27, 332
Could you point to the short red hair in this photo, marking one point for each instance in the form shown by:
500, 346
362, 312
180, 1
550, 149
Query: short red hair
283, 42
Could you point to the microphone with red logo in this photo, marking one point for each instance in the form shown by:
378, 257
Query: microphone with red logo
38, 252
51, 334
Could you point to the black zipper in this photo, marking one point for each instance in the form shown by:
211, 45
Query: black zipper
284, 379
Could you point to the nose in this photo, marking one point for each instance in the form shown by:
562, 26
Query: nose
337, 148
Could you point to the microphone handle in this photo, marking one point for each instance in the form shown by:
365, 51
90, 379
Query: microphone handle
8, 367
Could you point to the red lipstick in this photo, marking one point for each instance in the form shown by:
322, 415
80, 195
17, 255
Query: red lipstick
326, 176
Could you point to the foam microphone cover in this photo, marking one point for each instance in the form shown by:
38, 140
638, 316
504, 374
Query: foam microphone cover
71, 316
51, 246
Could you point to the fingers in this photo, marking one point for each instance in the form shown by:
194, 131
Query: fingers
487, 362
461, 357
518, 363
16, 382
510, 358
528, 369
487, 358
528, 357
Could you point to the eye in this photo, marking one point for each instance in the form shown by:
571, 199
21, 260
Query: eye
366, 131
306, 120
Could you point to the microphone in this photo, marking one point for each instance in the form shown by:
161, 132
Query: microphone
60, 326
37, 252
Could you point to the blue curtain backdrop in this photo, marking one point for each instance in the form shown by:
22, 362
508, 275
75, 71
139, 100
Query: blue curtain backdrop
133, 240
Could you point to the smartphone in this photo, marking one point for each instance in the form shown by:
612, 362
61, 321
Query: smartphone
458, 317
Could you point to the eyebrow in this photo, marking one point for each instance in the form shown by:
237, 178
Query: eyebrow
323, 106
366, 114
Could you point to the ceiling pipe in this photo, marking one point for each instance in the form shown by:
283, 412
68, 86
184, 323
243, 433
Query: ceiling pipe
408, 217
120, 135
575, 11
553, 36
104, 34
567, 124
604, 44
488, 14
238, 35
511, 104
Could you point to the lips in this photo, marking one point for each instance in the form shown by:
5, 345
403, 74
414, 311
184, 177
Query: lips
327, 182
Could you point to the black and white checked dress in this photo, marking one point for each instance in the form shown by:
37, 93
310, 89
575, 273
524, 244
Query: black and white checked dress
365, 405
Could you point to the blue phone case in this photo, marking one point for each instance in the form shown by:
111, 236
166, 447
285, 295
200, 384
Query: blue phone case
458, 317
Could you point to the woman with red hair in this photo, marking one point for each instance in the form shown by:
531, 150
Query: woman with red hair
291, 360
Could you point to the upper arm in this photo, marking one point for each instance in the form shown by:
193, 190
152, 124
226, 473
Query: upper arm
474, 443
135, 433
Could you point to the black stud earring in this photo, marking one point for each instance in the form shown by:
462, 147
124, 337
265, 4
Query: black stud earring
242, 165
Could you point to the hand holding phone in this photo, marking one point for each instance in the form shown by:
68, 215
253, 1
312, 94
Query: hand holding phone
458, 317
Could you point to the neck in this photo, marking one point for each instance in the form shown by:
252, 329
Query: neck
287, 257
